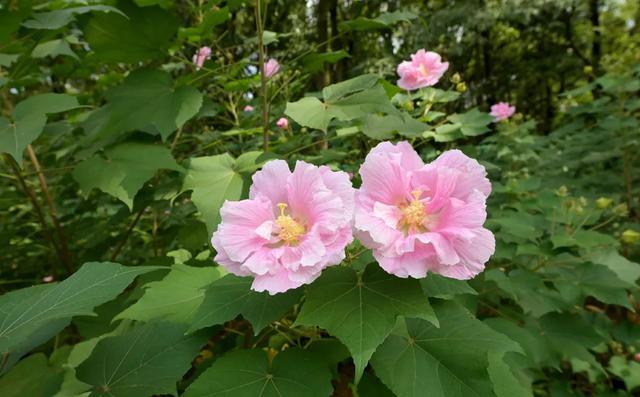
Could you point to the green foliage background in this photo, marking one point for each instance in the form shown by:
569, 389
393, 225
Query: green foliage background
118, 153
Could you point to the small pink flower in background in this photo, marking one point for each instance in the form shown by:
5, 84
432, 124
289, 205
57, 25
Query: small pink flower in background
283, 123
201, 56
248, 108
421, 218
47, 279
502, 111
271, 67
424, 70
293, 225
636, 357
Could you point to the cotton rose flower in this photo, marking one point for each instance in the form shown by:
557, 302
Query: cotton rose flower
248, 108
293, 225
271, 67
283, 123
424, 70
502, 111
419, 218
201, 56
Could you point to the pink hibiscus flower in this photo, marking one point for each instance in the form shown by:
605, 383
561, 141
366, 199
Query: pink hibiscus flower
201, 56
293, 225
424, 70
248, 108
502, 111
419, 218
271, 67
283, 123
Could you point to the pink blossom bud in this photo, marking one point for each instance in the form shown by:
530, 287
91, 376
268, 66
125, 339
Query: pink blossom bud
201, 56
271, 67
248, 108
283, 123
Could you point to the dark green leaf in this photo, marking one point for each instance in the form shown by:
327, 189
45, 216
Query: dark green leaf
247, 373
361, 309
230, 296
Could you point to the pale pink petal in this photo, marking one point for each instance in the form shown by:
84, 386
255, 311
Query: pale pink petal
274, 283
271, 182
237, 230
473, 175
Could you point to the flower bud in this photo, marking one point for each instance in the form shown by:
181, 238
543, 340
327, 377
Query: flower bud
455, 79
562, 191
603, 202
461, 87
621, 210
630, 236
587, 69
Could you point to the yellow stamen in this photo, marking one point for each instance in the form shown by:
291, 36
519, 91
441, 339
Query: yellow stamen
414, 214
423, 71
290, 230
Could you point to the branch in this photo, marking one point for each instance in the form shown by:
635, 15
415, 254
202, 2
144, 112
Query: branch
64, 248
122, 242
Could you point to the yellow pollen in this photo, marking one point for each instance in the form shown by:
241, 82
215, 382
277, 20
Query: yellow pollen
413, 214
423, 71
290, 230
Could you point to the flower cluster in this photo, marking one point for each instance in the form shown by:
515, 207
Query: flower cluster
416, 218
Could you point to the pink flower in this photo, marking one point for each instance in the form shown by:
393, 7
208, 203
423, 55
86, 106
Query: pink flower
47, 279
282, 123
293, 225
271, 67
424, 70
201, 56
502, 111
248, 108
419, 218
636, 357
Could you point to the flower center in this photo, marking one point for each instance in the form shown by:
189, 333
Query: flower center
423, 71
414, 214
290, 230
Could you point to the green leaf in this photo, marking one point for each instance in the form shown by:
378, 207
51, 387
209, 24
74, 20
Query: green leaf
214, 179
248, 373
383, 21
32, 377
124, 170
144, 35
315, 62
176, 298
30, 316
361, 309
56, 19
621, 266
371, 386
53, 49
309, 112
147, 101
340, 90
29, 118
7, 60
149, 360
583, 239
628, 371
349, 100
505, 383
589, 279
472, 122
442, 287
230, 296
448, 361
383, 127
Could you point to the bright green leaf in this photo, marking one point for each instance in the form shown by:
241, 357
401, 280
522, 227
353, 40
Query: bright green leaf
175, 298
56, 19
248, 373
124, 170
449, 361
361, 309
149, 360
230, 296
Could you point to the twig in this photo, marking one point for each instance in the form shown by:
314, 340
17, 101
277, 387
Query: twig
263, 78
53, 213
36, 207
124, 239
